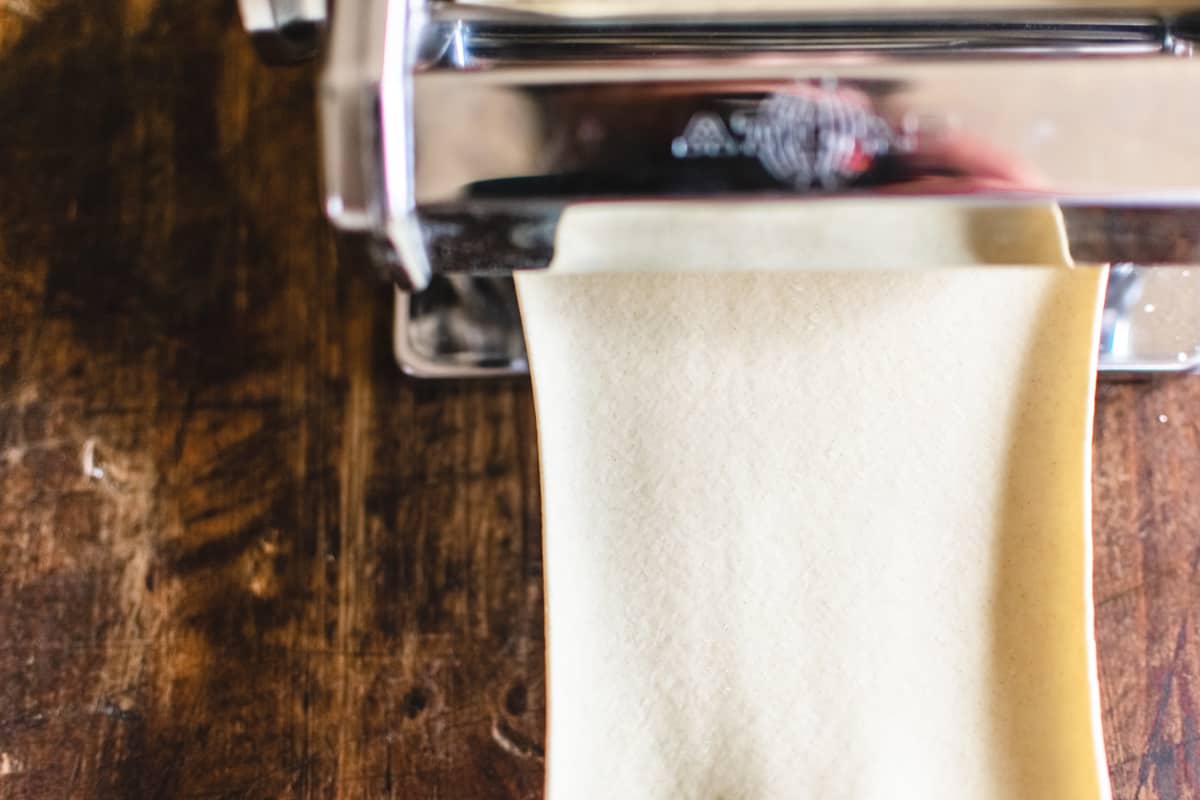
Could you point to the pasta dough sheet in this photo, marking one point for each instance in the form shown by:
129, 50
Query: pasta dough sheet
813, 534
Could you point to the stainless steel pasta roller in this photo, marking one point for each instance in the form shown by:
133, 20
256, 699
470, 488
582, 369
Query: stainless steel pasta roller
456, 136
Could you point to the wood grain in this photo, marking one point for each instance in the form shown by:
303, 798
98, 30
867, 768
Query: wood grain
240, 556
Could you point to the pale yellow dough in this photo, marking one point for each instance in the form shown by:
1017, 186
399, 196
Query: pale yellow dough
816, 534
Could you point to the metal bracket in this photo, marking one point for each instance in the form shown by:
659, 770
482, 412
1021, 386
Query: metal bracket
285, 31
470, 326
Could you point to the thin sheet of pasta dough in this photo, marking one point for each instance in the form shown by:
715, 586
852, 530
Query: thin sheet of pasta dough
816, 534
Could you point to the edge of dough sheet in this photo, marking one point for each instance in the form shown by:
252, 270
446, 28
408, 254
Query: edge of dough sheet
776, 237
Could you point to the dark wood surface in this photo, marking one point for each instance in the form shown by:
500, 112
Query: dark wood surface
240, 556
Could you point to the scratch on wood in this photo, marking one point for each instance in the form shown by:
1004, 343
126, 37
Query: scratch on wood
88, 460
514, 743
10, 765
1155, 757
1191, 731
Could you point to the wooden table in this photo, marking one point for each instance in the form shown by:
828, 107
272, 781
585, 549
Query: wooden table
240, 555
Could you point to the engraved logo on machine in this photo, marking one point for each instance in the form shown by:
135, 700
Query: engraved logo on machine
706, 137
813, 137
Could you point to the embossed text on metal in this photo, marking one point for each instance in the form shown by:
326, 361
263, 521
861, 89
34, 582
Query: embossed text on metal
813, 136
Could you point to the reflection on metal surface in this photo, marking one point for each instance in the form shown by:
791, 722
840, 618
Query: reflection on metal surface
461, 327
445, 123
470, 327
1151, 322
285, 31
491, 38
820, 137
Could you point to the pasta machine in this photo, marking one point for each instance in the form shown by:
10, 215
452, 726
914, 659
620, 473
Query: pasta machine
455, 136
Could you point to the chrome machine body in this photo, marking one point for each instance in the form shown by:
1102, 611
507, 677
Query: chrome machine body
455, 137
